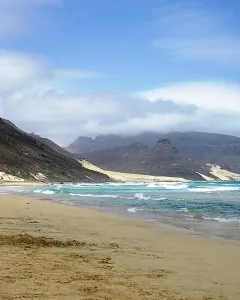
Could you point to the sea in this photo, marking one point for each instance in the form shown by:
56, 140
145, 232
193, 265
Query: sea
201, 208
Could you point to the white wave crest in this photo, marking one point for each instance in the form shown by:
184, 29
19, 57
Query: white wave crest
184, 209
140, 196
94, 196
37, 191
213, 189
177, 187
67, 202
168, 185
48, 192
133, 209
221, 219
125, 183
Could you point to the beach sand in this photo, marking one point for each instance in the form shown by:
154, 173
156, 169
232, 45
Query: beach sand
93, 255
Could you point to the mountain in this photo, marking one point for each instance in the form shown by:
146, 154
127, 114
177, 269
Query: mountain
34, 158
192, 144
87, 144
209, 147
52, 145
229, 156
161, 160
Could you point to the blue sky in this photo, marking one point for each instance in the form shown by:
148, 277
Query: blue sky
75, 67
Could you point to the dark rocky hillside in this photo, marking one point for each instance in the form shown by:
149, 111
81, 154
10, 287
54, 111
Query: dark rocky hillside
52, 145
30, 157
87, 144
161, 160
229, 156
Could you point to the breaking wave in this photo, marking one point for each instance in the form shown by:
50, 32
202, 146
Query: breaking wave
45, 192
94, 195
168, 186
134, 209
213, 189
140, 196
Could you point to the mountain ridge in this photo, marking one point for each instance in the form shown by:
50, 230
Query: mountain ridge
112, 141
207, 147
161, 160
27, 157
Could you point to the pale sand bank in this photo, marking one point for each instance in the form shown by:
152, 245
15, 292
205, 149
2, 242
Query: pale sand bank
122, 258
129, 177
216, 171
21, 183
224, 174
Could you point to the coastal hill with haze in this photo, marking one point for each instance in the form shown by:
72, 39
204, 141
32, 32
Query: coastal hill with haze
214, 148
30, 157
161, 160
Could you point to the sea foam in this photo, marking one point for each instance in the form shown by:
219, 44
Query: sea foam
168, 185
133, 209
94, 195
213, 189
140, 196
48, 192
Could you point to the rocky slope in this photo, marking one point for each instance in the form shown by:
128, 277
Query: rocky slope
229, 156
161, 160
34, 158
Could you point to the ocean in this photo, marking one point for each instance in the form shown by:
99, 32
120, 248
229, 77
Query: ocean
203, 208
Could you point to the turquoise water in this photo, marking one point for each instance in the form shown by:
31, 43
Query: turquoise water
205, 207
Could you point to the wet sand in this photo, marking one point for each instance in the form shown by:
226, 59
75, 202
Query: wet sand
53, 251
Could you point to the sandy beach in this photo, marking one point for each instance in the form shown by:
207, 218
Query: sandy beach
53, 251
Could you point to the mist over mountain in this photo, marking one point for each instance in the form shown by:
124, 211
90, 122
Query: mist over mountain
210, 147
183, 155
161, 160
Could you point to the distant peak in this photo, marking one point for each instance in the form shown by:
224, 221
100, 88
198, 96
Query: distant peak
85, 138
234, 143
164, 142
166, 145
138, 145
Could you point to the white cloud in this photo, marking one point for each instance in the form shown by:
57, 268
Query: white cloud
18, 70
187, 31
30, 97
212, 96
19, 16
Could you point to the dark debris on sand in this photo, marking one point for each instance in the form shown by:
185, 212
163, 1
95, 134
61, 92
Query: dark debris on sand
41, 241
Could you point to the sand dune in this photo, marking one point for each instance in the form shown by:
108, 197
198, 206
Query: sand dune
224, 174
216, 171
119, 176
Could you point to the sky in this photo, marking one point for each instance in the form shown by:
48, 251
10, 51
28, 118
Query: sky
71, 68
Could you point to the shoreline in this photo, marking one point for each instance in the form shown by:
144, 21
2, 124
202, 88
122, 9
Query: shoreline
210, 229
22, 183
123, 254
160, 223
